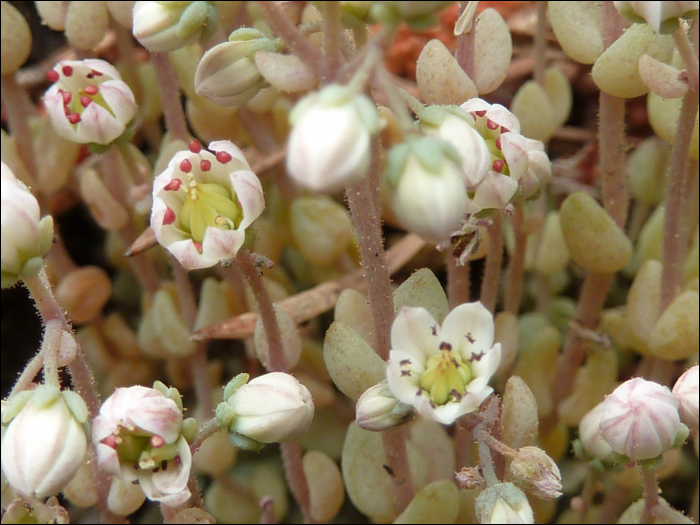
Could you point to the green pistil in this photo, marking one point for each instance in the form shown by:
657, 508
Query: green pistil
209, 205
445, 374
130, 446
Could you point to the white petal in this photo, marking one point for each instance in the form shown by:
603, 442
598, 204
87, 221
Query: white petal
404, 380
221, 244
416, 333
233, 150
250, 195
466, 323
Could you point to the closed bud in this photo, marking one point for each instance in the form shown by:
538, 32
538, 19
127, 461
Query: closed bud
86, 24
16, 38
591, 439
377, 409
329, 145
503, 503
640, 420
25, 237
167, 26
45, 443
686, 392
271, 408
227, 74
536, 472
428, 193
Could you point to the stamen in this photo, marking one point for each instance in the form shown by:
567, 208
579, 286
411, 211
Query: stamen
470, 338
186, 166
85, 101
497, 166
490, 124
195, 146
66, 110
91, 89
53, 76
223, 157
405, 362
205, 165
96, 73
434, 330
173, 185
178, 460
498, 143
481, 113
198, 246
67, 96
405, 373
168, 218
67, 70
445, 346
110, 441
164, 465
74, 118
157, 441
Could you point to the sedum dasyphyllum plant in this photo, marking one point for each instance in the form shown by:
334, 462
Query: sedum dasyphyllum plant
498, 202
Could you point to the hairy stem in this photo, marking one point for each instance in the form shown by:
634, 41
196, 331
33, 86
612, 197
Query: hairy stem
494, 260
458, 283
516, 266
174, 115
651, 496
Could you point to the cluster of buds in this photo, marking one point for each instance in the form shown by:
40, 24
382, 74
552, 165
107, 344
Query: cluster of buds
203, 202
89, 102
167, 26
271, 408
138, 436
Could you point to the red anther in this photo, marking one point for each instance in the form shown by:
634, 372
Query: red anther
164, 465
96, 73
74, 118
136, 466
89, 75
177, 458
110, 441
186, 166
67, 96
498, 165
53, 76
85, 101
198, 247
195, 146
481, 113
173, 185
223, 157
168, 218
205, 164
67, 70
91, 89
156, 469
490, 124
504, 130
66, 110
498, 143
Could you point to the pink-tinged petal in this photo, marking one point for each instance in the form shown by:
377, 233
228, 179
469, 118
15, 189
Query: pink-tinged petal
188, 256
221, 244
174, 478
101, 66
119, 98
250, 195
403, 375
416, 333
98, 125
233, 150
514, 148
53, 101
107, 459
159, 417
469, 328
503, 117
476, 104
494, 193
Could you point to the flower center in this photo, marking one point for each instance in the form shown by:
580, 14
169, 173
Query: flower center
145, 452
446, 375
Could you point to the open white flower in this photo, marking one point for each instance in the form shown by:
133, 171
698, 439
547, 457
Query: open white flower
443, 371
137, 436
88, 102
203, 202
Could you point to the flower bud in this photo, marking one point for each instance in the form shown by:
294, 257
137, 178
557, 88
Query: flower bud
429, 197
89, 102
661, 16
137, 436
590, 436
329, 145
455, 126
45, 443
86, 24
536, 472
271, 408
640, 419
503, 503
203, 202
377, 409
227, 74
167, 26
686, 392
25, 238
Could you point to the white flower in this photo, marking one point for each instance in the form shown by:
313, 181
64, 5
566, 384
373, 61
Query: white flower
640, 419
167, 26
45, 443
271, 408
25, 237
591, 438
443, 371
686, 391
661, 16
137, 438
203, 202
503, 503
539, 169
329, 145
377, 409
428, 197
457, 129
88, 102
491, 119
